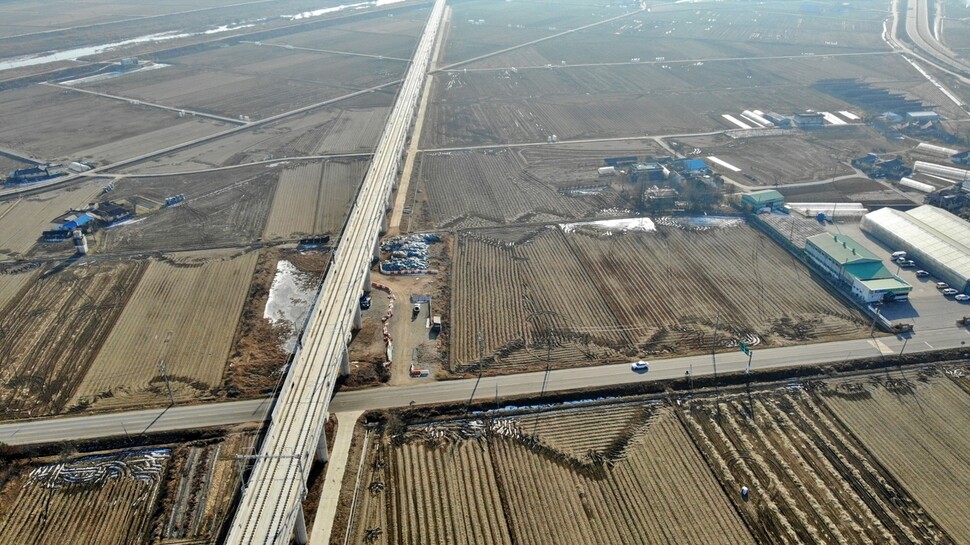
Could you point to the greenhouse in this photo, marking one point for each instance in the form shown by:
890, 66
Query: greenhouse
936, 239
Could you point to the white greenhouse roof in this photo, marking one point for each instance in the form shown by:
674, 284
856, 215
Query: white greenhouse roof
936, 233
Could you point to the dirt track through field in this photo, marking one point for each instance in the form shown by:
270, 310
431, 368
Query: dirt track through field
183, 312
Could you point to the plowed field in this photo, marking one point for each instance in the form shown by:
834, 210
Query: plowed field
49, 337
640, 481
923, 443
183, 312
314, 199
628, 294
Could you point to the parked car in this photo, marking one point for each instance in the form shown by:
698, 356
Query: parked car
962, 297
365, 301
900, 254
942, 285
950, 291
907, 263
922, 274
641, 365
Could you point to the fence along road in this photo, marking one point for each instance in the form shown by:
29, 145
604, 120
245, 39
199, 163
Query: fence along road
271, 505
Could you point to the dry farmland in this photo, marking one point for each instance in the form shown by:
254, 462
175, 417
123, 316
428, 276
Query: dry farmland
225, 208
820, 155
105, 500
876, 458
52, 332
607, 297
183, 312
495, 187
923, 444
170, 494
58, 124
639, 481
313, 199
811, 480
23, 220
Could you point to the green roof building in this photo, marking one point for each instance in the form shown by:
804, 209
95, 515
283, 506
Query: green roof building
855, 268
756, 200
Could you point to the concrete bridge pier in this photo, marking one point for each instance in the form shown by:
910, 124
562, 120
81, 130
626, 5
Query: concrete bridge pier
384, 224
377, 249
345, 363
358, 318
300, 529
367, 280
321, 453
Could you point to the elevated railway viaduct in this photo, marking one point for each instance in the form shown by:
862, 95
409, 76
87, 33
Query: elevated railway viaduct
270, 509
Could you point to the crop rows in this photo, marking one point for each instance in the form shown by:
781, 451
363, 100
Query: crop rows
631, 293
52, 334
923, 443
504, 488
115, 513
482, 266
313, 199
183, 313
809, 480
495, 187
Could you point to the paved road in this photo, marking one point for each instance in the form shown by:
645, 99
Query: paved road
592, 377
422, 392
133, 422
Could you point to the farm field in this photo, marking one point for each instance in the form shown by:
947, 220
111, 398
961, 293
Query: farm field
573, 281
53, 332
506, 106
711, 31
810, 478
353, 126
251, 80
223, 208
165, 494
807, 157
63, 125
183, 312
640, 481
11, 282
873, 458
23, 220
923, 445
482, 27
475, 188
314, 198
858, 189
107, 500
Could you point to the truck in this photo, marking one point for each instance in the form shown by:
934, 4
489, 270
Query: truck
436, 324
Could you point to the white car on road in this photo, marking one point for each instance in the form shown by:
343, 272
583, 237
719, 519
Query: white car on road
962, 297
641, 365
950, 291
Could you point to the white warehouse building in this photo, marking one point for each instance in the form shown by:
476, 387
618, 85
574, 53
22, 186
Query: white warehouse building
938, 240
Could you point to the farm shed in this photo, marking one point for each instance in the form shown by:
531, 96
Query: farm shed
922, 117
757, 200
809, 119
856, 268
938, 240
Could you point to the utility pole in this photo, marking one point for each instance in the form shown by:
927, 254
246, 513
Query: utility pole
747, 377
161, 369
481, 355
717, 393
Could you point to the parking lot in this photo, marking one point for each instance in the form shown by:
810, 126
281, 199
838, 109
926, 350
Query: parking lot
927, 308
